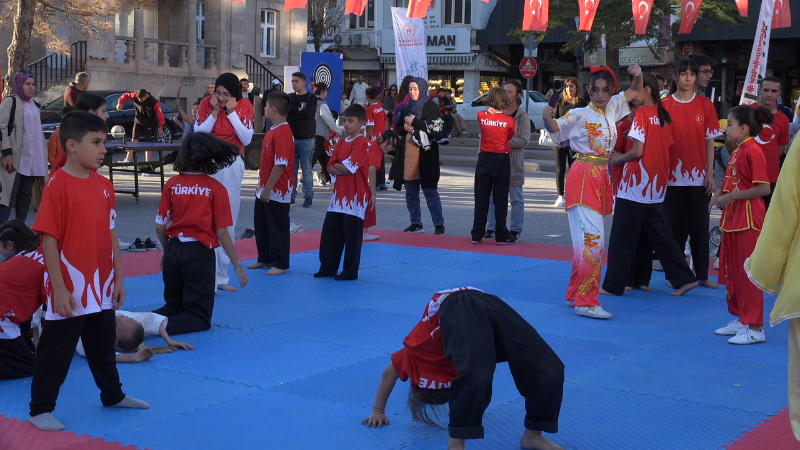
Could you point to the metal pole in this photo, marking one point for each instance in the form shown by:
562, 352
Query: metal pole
528, 95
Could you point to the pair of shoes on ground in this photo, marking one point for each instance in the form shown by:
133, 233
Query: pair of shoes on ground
306, 203
417, 228
490, 234
143, 246
595, 312
742, 334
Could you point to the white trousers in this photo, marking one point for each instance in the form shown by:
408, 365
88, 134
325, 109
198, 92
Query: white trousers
231, 177
586, 228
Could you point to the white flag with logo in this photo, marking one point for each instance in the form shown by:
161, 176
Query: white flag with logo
409, 45
757, 68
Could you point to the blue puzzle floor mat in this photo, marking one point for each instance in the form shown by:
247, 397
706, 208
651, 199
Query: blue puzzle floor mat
292, 362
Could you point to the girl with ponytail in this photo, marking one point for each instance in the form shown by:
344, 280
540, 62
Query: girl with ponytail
640, 224
743, 213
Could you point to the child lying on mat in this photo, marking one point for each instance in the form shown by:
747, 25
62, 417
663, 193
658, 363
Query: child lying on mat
132, 328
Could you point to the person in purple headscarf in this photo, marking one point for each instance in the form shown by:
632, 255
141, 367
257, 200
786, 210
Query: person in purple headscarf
24, 153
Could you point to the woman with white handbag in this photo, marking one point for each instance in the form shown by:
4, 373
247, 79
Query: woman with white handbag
563, 154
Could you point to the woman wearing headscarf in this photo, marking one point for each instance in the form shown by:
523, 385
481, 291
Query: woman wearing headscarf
228, 116
417, 161
24, 150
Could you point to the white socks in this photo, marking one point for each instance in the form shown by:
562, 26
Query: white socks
130, 402
46, 422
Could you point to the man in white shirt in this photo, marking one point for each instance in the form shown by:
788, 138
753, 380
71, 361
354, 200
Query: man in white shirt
359, 92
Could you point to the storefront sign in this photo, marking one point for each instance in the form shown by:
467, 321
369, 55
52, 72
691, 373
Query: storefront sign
757, 68
438, 40
409, 42
640, 56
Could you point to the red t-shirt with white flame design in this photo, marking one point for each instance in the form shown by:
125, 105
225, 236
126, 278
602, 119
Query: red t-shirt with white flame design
22, 285
693, 122
422, 357
277, 150
623, 145
79, 213
196, 205
222, 127
644, 180
351, 192
376, 116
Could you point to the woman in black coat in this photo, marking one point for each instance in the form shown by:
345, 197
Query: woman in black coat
416, 163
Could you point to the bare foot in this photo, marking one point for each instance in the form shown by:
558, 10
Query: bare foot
644, 288
276, 271
684, 289
534, 440
708, 283
628, 288
226, 287
456, 444
603, 292
257, 265
669, 285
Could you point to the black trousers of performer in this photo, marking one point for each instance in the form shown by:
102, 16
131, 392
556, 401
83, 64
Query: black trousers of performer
492, 179
340, 233
322, 157
564, 159
380, 177
188, 269
271, 222
57, 344
16, 359
631, 220
687, 212
480, 330
768, 198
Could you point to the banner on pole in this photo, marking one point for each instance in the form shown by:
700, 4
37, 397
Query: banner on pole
409, 46
758, 57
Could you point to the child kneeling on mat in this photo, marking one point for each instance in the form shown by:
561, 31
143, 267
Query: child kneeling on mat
193, 219
450, 356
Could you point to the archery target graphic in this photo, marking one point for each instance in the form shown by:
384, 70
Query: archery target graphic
323, 74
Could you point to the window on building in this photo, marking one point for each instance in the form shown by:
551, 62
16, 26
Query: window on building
201, 21
268, 17
367, 20
401, 3
457, 12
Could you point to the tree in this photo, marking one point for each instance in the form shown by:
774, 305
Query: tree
324, 16
614, 23
42, 18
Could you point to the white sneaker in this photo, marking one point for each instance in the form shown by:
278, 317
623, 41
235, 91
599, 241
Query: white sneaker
657, 266
560, 202
123, 245
294, 228
570, 303
595, 312
733, 327
716, 264
370, 237
747, 336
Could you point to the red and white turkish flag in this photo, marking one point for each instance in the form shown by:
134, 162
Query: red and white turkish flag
641, 14
742, 5
293, 4
417, 9
537, 13
587, 8
690, 9
781, 16
355, 7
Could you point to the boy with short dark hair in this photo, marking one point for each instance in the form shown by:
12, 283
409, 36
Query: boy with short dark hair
344, 221
274, 193
84, 277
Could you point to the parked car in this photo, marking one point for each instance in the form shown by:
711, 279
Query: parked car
469, 110
51, 116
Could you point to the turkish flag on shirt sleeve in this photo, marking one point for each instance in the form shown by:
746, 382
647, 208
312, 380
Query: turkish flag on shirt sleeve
690, 9
537, 13
587, 8
292, 4
742, 5
781, 17
641, 14
417, 9
355, 7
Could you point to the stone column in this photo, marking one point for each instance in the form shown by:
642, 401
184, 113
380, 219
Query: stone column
138, 35
191, 31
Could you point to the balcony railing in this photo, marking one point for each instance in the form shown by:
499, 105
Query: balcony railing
258, 74
56, 67
161, 53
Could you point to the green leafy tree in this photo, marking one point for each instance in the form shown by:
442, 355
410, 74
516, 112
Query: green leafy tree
614, 23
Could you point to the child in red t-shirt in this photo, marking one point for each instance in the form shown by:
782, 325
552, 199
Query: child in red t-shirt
743, 211
376, 116
385, 144
193, 217
274, 192
638, 210
344, 222
450, 356
84, 277
21, 281
493, 170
